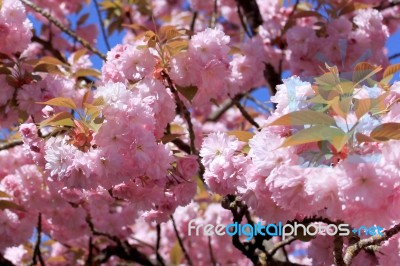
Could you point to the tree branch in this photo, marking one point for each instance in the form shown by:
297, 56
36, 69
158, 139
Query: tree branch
159, 257
245, 114
37, 254
394, 56
189, 261
103, 31
11, 144
63, 28
338, 250
252, 13
354, 249
281, 244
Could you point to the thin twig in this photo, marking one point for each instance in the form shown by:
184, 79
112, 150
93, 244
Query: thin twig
214, 14
245, 28
338, 250
394, 56
259, 103
193, 23
354, 249
181, 242
159, 257
63, 28
183, 111
280, 245
11, 144
213, 261
89, 261
37, 254
246, 114
102, 27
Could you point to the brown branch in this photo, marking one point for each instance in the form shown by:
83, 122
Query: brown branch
37, 254
5, 262
394, 56
213, 261
63, 28
354, 249
103, 31
252, 13
189, 261
280, 245
159, 257
245, 114
122, 249
11, 144
49, 47
338, 250
182, 110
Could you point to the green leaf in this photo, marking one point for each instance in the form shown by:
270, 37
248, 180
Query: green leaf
62, 102
60, 119
386, 132
188, 92
334, 135
6, 204
389, 73
306, 117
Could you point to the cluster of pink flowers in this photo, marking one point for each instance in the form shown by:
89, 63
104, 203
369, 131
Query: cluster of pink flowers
153, 140
362, 189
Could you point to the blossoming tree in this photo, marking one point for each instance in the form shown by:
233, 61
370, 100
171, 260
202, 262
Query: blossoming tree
109, 166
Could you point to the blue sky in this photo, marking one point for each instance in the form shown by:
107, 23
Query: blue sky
393, 45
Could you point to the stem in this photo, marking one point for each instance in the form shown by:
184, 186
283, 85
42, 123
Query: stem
159, 257
394, 56
213, 261
63, 28
193, 24
11, 144
36, 252
103, 31
181, 242
354, 249
337, 250
245, 114
280, 245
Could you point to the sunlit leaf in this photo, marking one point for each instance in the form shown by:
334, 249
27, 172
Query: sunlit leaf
61, 101
306, 117
389, 72
60, 119
83, 72
386, 132
4, 195
364, 71
244, 136
78, 54
176, 254
334, 135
